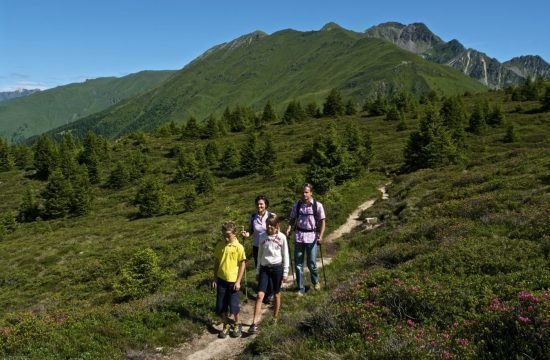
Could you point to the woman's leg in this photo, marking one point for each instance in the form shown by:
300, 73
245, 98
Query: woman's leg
277, 305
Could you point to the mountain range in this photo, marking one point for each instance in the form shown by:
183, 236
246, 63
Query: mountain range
41, 111
255, 68
9, 95
284, 66
418, 39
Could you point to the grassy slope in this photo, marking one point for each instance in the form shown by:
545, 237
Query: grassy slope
459, 269
281, 67
63, 271
49, 109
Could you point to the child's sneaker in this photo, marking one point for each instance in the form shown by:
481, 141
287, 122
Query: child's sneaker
236, 331
253, 329
225, 331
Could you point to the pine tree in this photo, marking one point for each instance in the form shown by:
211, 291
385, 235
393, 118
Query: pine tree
431, 145
392, 114
249, 156
119, 177
57, 196
496, 117
334, 104
82, 195
205, 183
23, 156
189, 200
294, 113
152, 199
230, 164
511, 135
211, 128
312, 110
192, 129
268, 158
477, 124
45, 157
379, 106
7, 160
268, 115
212, 154
351, 108
29, 208
187, 168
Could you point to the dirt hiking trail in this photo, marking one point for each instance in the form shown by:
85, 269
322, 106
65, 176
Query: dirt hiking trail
208, 346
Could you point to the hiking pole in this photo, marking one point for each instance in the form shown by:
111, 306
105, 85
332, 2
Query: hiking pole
322, 263
245, 280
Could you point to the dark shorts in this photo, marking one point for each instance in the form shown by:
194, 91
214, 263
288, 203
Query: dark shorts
273, 274
227, 299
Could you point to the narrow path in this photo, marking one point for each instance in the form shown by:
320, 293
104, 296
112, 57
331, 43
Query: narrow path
208, 346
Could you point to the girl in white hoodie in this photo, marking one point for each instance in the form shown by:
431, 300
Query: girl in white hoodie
273, 263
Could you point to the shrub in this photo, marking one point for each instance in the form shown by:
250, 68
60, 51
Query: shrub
140, 276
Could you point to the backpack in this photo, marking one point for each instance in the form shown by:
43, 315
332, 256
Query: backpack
299, 205
251, 219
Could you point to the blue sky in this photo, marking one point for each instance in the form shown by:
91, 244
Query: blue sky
47, 43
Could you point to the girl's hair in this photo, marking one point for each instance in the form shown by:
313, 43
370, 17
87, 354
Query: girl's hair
264, 198
273, 219
307, 185
229, 227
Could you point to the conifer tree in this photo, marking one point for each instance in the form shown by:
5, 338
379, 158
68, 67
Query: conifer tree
431, 145
152, 199
23, 156
312, 110
211, 128
192, 129
294, 113
477, 124
229, 165
392, 114
268, 115
57, 196
205, 182
268, 161
496, 117
351, 108
7, 160
249, 156
334, 104
119, 177
187, 168
511, 135
189, 200
453, 115
212, 154
379, 106
82, 195
45, 157
29, 208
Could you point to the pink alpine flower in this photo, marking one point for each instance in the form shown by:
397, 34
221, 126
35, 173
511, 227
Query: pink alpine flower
524, 319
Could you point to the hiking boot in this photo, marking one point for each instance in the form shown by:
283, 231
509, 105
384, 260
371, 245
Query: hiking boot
301, 293
317, 286
236, 331
253, 329
225, 331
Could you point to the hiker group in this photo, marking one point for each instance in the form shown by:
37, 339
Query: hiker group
271, 258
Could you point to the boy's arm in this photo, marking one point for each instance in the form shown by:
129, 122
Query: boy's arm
216, 266
240, 276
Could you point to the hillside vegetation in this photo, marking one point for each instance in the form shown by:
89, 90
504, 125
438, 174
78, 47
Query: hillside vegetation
286, 66
37, 113
106, 246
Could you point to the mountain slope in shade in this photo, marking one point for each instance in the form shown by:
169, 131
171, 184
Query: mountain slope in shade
489, 71
48, 109
281, 67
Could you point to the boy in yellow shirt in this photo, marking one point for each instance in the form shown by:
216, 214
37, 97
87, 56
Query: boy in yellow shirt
229, 265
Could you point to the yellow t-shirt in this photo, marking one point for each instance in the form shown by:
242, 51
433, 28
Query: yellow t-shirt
229, 256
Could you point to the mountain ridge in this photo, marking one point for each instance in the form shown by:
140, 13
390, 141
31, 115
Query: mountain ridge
418, 38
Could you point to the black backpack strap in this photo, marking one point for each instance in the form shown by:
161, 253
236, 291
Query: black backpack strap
250, 222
